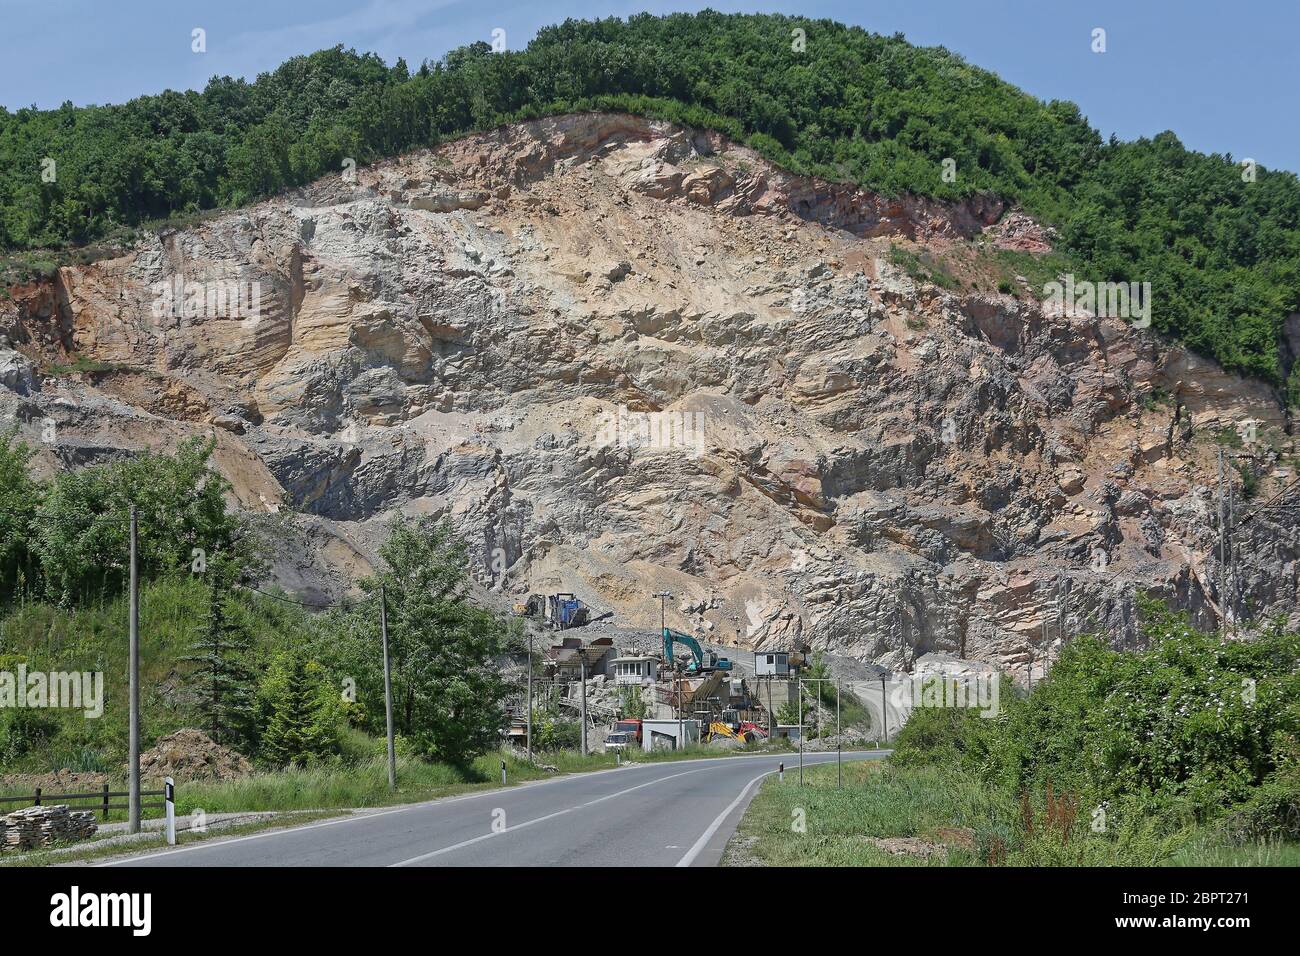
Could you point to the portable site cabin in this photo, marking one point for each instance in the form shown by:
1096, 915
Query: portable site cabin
772, 663
635, 670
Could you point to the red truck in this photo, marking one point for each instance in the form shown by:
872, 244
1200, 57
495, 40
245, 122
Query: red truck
626, 734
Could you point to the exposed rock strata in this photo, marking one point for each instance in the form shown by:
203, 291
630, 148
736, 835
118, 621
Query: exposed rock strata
846, 459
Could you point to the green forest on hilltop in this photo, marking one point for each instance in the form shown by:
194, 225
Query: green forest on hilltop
1222, 253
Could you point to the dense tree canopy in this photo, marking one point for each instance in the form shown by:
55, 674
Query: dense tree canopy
1221, 249
67, 538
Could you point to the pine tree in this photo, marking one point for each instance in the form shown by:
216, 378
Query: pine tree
299, 730
223, 679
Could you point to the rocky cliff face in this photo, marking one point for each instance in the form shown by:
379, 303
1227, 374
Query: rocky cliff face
623, 357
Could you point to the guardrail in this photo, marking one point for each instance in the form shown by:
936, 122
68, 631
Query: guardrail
102, 798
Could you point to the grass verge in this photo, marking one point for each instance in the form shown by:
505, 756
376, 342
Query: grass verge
927, 816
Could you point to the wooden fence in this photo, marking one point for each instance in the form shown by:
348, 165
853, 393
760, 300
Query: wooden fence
102, 799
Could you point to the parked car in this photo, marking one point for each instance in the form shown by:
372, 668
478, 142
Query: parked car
621, 740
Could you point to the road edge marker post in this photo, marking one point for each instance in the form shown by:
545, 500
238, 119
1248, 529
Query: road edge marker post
503, 773
169, 803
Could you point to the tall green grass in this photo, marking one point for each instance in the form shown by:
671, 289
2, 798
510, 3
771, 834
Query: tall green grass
875, 801
978, 825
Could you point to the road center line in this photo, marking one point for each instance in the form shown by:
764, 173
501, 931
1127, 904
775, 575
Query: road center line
355, 817
550, 816
352, 816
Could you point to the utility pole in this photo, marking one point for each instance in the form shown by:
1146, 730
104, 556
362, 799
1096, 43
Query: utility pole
771, 714
681, 722
1222, 545
800, 733
884, 711
133, 679
529, 720
388, 688
582, 670
1231, 581
663, 597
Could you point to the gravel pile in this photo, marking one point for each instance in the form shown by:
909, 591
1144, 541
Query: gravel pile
192, 755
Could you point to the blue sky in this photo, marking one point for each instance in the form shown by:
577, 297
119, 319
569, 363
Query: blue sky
1220, 75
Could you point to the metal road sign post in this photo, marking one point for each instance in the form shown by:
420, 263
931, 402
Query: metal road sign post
839, 736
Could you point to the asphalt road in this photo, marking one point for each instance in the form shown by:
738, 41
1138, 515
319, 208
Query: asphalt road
895, 703
679, 813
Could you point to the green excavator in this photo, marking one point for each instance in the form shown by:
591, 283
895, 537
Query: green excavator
704, 661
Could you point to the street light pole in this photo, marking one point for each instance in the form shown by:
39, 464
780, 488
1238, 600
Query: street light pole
663, 597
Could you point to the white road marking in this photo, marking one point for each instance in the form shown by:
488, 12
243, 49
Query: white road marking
495, 792
354, 817
704, 839
206, 845
550, 816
